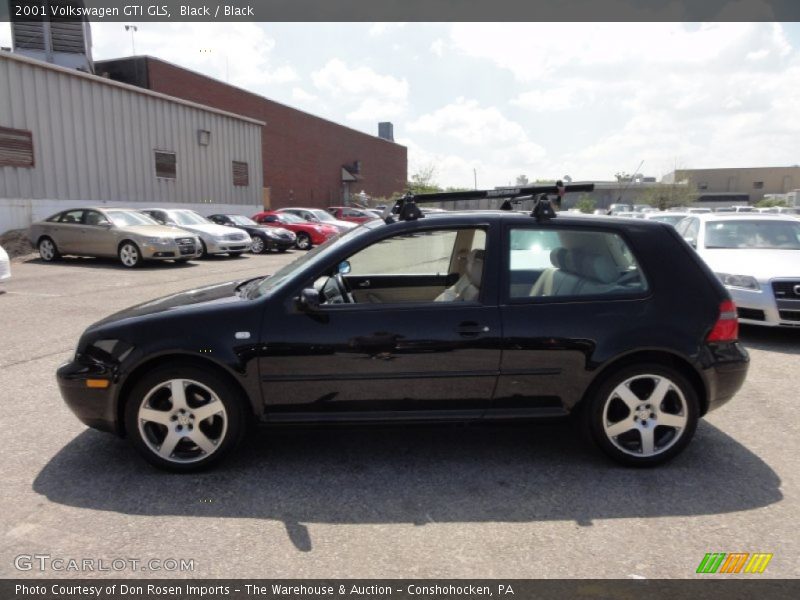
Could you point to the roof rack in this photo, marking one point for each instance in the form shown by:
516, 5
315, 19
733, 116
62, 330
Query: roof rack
405, 208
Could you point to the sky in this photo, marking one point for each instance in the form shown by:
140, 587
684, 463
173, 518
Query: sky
495, 101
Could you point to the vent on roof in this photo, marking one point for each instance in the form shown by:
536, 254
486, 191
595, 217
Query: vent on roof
16, 148
67, 36
28, 35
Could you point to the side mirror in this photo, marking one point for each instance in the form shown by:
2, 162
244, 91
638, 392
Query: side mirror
308, 300
344, 267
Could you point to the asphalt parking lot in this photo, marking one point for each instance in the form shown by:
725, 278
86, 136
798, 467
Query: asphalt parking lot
425, 501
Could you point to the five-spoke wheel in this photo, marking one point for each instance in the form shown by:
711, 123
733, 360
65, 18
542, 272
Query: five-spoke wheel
643, 415
183, 419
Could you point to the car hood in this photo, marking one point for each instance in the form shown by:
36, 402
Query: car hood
211, 295
211, 229
153, 231
761, 264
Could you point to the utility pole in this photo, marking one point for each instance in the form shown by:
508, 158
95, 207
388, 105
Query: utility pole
475, 176
132, 29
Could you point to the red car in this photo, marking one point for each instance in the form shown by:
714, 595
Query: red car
308, 234
348, 213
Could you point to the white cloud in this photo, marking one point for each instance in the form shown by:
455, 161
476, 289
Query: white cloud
377, 29
301, 95
367, 95
437, 47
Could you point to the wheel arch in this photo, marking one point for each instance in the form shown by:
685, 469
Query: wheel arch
664, 357
176, 360
125, 241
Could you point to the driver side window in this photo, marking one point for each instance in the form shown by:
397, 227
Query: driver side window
440, 265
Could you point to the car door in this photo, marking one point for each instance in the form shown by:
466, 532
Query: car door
69, 237
564, 289
403, 358
97, 237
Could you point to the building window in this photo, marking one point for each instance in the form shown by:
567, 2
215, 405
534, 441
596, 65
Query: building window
241, 173
16, 148
166, 165
758, 185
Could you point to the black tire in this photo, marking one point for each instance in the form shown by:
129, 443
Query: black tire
235, 254
303, 241
129, 254
644, 418
48, 251
228, 425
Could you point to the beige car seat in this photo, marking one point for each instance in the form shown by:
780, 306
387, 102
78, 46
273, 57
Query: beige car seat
468, 286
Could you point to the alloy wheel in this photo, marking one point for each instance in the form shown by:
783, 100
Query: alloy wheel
257, 246
645, 415
182, 421
47, 250
129, 255
303, 241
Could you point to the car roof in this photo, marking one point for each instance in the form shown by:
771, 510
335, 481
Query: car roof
524, 217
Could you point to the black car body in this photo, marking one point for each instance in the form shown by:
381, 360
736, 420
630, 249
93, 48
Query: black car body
264, 238
485, 335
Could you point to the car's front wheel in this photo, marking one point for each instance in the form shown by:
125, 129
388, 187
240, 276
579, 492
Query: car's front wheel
258, 245
184, 419
643, 415
303, 241
129, 255
48, 250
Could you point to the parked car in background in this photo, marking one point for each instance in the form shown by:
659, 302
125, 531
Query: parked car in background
673, 218
317, 215
735, 209
780, 210
351, 214
130, 235
629, 214
697, 210
214, 239
451, 317
263, 238
308, 234
757, 257
5, 267
618, 207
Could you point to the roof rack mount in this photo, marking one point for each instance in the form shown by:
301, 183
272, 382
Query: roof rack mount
406, 207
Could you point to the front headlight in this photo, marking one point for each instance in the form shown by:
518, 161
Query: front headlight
158, 241
738, 281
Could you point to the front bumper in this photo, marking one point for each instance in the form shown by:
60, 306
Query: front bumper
215, 246
279, 243
760, 307
179, 249
94, 406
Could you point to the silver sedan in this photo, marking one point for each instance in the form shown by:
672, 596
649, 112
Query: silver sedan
126, 234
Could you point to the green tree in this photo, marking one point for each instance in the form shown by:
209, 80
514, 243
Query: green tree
585, 204
770, 202
667, 195
423, 181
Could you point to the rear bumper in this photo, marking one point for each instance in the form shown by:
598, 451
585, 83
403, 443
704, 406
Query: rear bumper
725, 370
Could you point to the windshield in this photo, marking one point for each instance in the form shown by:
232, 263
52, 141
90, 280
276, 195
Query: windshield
129, 218
242, 220
323, 216
187, 217
312, 257
756, 233
290, 218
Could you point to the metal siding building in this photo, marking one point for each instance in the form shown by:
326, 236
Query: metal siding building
94, 143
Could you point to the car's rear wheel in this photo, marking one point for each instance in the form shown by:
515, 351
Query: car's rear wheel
129, 255
643, 415
184, 418
258, 245
303, 241
48, 250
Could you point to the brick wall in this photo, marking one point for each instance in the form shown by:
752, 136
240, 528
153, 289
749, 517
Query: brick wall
303, 155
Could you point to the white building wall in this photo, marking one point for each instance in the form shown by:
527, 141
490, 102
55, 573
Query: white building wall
94, 142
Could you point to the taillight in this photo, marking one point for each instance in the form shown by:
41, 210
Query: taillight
726, 329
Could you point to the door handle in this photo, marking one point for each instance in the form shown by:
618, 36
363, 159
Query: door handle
364, 284
471, 329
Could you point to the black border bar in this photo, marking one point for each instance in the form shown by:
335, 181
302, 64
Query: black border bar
409, 10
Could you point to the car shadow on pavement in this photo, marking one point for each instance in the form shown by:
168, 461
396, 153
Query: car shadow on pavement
773, 339
419, 475
112, 263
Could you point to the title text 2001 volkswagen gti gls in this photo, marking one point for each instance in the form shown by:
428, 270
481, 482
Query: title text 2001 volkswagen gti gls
450, 316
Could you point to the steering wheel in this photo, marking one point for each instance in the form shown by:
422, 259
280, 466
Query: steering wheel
347, 297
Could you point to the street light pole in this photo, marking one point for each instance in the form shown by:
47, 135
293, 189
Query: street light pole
475, 176
132, 29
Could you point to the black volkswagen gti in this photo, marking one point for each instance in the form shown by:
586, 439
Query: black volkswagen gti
454, 316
